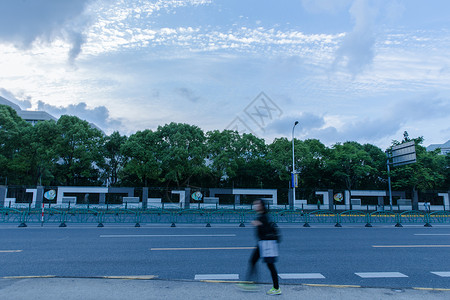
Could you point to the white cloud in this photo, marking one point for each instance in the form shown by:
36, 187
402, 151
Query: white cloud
357, 49
26, 22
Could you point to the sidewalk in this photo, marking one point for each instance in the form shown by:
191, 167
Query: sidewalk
111, 289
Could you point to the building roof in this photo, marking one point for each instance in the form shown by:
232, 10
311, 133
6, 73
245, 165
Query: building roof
28, 115
445, 148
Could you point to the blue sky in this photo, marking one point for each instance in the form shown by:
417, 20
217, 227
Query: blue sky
354, 70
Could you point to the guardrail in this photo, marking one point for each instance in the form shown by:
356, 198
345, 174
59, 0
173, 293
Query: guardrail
217, 216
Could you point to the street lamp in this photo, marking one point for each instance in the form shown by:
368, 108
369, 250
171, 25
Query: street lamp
293, 166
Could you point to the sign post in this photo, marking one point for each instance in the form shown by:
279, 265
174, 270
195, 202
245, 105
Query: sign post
402, 154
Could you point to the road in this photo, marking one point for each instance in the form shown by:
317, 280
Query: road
392, 257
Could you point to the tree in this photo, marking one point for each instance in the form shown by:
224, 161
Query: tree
427, 173
12, 129
222, 154
114, 158
253, 166
77, 147
182, 153
142, 166
350, 163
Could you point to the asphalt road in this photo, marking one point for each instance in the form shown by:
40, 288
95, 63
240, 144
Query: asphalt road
373, 257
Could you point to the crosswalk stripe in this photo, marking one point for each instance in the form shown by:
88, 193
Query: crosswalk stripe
301, 276
216, 276
380, 275
442, 274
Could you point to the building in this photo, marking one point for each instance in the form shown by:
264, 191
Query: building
28, 115
445, 148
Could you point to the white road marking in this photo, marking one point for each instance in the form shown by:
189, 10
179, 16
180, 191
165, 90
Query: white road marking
442, 274
163, 235
381, 275
203, 248
432, 234
301, 276
411, 246
216, 276
10, 251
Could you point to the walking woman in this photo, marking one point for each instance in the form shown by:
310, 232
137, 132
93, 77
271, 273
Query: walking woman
267, 248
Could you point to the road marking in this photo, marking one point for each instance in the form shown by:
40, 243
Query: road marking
411, 246
381, 275
430, 289
10, 251
442, 274
138, 277
432, 234
301, 276
205, 248
216, 276
332, 285
31, 276
163, 235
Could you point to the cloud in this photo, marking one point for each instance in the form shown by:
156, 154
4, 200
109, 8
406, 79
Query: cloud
398, 116
356, 51
187, 94
24, 22
98, 115
328, 6
306, 122
23, 104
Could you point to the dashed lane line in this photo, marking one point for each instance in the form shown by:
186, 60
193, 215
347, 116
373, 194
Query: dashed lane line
380, 274
216, 276
432, 234
163, 235
411, 246
29, 276
128, 277
202, 248
301, 276
10, 251
442, 274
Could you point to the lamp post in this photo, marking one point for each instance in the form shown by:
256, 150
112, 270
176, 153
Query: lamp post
293, 166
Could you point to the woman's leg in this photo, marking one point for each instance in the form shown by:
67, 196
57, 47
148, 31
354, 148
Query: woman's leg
273, 272
251, 271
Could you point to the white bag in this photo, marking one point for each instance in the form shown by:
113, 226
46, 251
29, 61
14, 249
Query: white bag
268, 248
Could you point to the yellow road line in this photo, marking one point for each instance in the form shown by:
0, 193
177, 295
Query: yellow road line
203, 248
10, 251
430, 289
411, 246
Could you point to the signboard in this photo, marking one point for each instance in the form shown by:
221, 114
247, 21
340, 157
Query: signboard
294, 180
338, 197
403, 154
197, 196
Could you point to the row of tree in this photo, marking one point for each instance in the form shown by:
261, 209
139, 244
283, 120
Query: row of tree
72, 152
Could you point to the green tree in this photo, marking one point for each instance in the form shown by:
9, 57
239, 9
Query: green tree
222, 154
77, 147
253, 166
114, 158
142, 166
428, 173
350, 163
12, 133
182, 153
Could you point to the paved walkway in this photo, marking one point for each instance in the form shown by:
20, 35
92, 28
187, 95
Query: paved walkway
98, 289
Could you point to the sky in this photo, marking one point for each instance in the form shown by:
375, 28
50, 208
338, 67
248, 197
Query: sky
346, 70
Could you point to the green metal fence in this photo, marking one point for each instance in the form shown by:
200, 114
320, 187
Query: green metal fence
65, 217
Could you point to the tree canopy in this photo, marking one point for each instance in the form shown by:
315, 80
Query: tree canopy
72, 152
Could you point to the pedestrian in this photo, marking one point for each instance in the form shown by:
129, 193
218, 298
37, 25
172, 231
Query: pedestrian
267, 248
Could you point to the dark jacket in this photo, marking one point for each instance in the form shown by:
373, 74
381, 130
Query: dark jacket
264, 231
